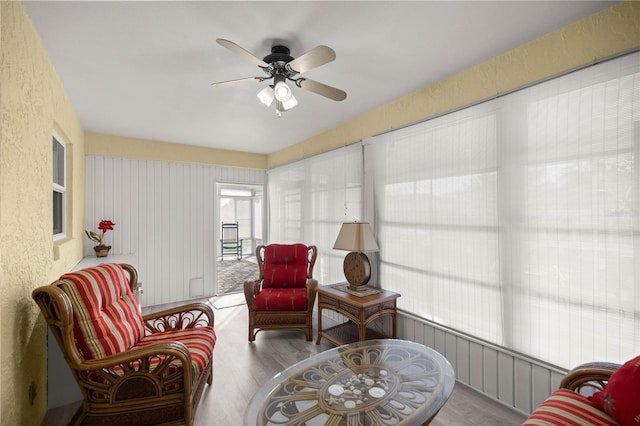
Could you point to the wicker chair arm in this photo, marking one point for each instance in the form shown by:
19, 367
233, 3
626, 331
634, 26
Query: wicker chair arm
251, 290
58, 312
123, 373
187, 316
176, 350
312, 287
593, 375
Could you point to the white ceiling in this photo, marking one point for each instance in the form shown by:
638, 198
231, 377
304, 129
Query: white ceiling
144, 69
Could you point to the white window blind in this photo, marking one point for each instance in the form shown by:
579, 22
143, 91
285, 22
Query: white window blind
309, 200
437, 222
517, 220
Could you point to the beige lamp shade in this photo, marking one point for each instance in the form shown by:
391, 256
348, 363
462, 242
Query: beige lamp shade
357, 238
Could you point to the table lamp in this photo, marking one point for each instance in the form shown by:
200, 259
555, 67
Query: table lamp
357, 238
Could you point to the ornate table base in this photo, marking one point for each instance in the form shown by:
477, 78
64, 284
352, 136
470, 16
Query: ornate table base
376, 382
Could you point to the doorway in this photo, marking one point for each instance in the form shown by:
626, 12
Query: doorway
240, 206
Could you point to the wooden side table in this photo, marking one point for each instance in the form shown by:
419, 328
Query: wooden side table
360, 311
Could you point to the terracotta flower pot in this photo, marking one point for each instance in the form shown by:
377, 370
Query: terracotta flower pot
102, 251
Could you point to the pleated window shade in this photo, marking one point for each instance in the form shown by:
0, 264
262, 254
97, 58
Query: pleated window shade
517, 220
310, 199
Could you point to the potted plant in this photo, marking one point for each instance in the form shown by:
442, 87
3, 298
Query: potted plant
101, 249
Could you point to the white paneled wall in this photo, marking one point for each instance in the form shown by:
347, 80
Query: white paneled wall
166, 214
510, 378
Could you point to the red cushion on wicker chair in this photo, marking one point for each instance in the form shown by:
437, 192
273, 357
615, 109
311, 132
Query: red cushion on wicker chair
281, 299
620, 398
107, 318
199, 341
568, 408
285, 265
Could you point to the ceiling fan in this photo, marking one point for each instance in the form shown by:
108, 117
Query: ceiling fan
280, 66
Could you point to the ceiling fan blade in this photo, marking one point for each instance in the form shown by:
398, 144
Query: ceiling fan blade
317, 56
322, 89
242, 52
237, 82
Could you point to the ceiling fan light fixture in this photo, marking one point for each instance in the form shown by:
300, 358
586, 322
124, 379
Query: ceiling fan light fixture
266, 95
289, 103
281, 66
282, 91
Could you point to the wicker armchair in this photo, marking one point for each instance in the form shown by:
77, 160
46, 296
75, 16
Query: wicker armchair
570, 404
285, 292
130, 369
588, 377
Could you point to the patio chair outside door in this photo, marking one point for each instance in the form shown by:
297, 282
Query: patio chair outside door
230, 242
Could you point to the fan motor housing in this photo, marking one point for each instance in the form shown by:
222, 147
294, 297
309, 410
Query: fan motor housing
278, 53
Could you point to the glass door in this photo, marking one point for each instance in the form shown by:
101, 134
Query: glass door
242, 205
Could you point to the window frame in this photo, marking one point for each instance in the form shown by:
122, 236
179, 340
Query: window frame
59, 188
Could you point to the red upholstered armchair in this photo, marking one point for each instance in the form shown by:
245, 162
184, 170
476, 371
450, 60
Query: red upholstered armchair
130, 369
284, 294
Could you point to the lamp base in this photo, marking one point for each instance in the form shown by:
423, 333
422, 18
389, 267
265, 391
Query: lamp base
362, 287
357, 270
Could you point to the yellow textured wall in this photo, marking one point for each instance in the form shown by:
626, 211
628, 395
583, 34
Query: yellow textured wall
604, 34
118, 146
32, 104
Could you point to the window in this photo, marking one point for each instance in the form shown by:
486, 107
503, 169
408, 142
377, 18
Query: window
59, 188
309, 200
437, 224
517, 220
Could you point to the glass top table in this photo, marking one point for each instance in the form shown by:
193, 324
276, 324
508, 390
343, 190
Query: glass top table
375, 382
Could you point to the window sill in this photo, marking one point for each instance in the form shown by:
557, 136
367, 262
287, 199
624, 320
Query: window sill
59, 246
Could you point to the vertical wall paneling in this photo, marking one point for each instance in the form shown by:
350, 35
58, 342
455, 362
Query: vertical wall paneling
490, 372
409, 328
510, 378
505, 378
439, 341
462, 360
429, 336
418, 332
556, 378
165, 214
523, 385
476, 369
541, 385
451, 350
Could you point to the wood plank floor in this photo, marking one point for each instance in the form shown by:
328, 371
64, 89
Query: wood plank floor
240, 368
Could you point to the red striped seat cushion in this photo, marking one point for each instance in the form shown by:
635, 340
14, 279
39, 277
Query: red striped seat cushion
199, 341
568, 408
107, 319
285, 266
281, 299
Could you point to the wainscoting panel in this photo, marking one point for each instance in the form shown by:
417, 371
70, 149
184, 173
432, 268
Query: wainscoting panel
476, 376
166, 214
522, 380
505, 379
510, 378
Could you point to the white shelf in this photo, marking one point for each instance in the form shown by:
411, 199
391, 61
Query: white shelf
89, 261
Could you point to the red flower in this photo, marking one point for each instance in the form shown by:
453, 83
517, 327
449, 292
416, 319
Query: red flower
106, 225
